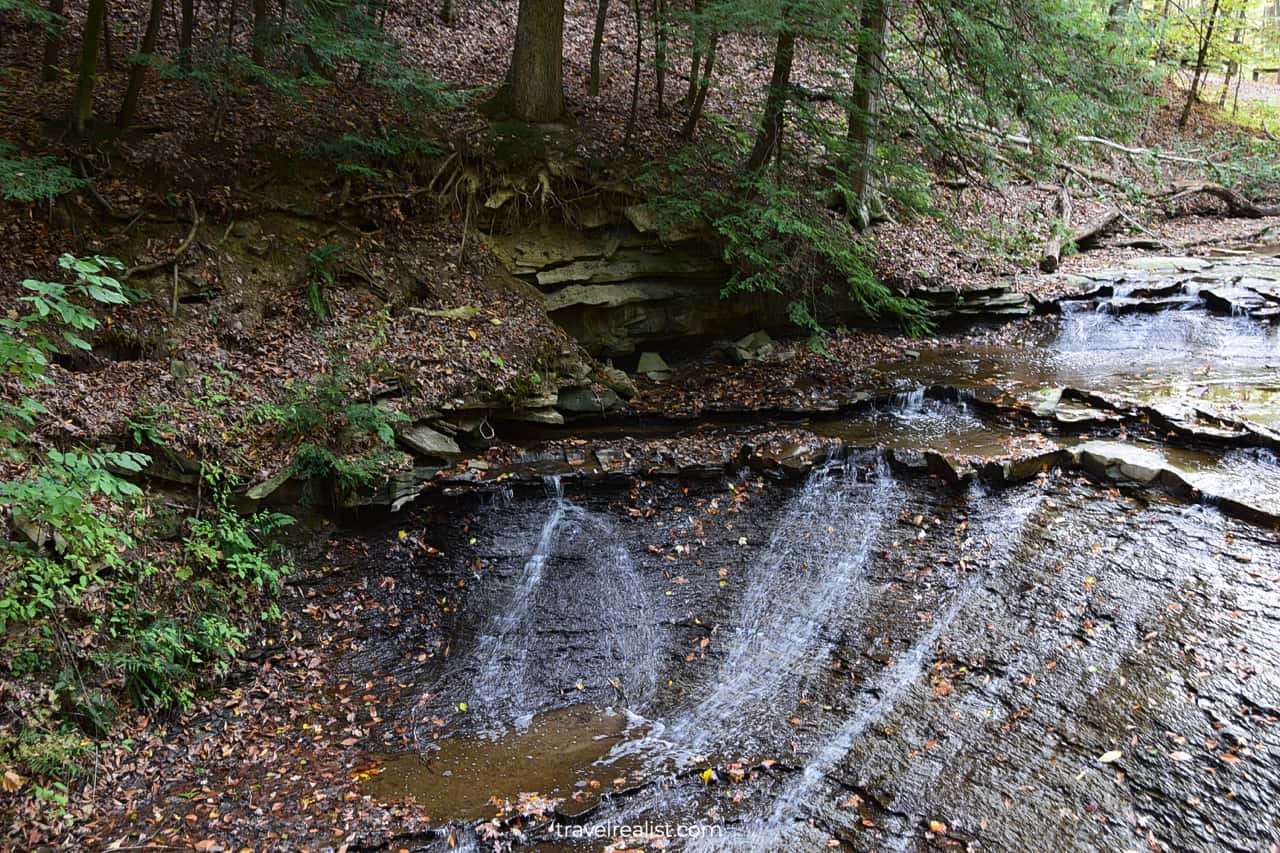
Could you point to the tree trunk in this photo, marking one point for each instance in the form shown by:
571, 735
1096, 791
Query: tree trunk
185, 32
536, 78
1233, 63
660, 53
696, 59
82, 104
864, 113
449, 12
775, 103
138, 72
52, 42
597, 42
700, 99
635, 78
1052, 254
108, 49
259, 49
1205, 41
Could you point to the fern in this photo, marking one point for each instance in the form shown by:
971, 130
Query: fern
34, 178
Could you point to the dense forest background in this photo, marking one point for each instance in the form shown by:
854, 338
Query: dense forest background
242, 246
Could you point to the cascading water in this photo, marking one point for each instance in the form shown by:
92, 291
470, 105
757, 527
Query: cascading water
814, 563
1001, 540
500, 654
579, 580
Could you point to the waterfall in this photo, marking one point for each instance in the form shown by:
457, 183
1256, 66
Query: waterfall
813, 565
502, 664
1001, 539
578, 581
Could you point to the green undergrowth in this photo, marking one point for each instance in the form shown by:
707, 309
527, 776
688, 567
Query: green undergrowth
97, 611
778, 239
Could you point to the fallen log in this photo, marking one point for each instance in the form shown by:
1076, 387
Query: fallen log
1237, 203
1087, 235
1058, 236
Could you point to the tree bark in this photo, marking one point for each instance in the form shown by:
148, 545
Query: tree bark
1237, 204
770, 133
700, 99
185, 33
53, 42
1052, 255
1205, 41
1233, 64
259, 48
660, 53
864, 113
536, 78
138, 71
695, 59
82, 103
597, 42
108, 51
635, 78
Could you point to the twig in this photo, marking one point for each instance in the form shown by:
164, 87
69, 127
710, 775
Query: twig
182, 247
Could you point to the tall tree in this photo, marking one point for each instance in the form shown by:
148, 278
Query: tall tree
864, 112
695, 59
1206, 40
82, 102
635, 77
258, 50
769, 135
186, 31
597, 43
700, 99
535, 81
138, 72
52, 42
660, 53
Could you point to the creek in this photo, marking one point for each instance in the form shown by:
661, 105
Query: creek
870, 658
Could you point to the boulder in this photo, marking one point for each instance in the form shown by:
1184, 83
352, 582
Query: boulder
619, 381
757, 346
1168, 264
652, 365
587, 401
269, 486
617, 295
631, 264
425, 441
1007, 472
954, 471
547, 416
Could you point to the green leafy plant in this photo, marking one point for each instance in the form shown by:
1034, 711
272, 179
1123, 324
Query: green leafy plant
91, 605
778, 240
320, 275
34, 178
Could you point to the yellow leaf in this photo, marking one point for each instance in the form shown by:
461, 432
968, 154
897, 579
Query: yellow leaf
707, 775
11, 781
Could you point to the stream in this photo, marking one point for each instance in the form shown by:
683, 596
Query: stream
868, 657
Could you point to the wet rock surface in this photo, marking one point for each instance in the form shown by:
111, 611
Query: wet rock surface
885, 656
1023, 598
